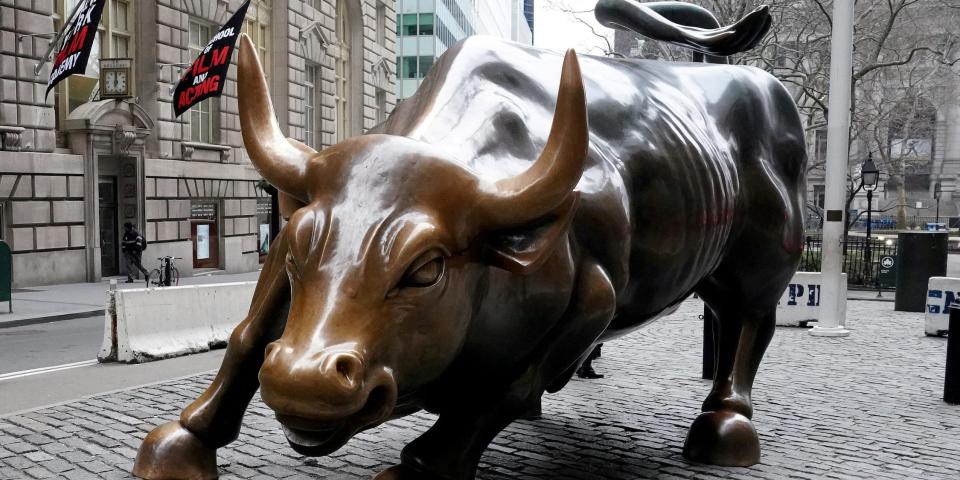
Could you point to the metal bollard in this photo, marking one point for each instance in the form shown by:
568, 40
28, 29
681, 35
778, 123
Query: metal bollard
709, 345
951, 383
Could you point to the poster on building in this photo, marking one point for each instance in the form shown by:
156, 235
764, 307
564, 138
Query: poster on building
203, 242
207, 76
264, 238
76, 41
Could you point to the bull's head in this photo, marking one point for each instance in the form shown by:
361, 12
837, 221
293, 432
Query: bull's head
384, 255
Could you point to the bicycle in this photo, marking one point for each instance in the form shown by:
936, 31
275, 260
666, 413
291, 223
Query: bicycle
166, 274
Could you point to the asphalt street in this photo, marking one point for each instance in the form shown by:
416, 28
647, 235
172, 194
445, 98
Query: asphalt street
48, 344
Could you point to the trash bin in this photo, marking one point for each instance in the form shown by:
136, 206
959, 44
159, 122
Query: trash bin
920, 255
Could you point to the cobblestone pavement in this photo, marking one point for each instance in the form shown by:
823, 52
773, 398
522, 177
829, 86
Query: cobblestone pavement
867, 406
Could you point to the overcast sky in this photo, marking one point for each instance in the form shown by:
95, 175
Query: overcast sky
557, 29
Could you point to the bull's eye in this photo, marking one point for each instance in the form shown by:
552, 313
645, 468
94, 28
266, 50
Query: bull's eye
424, 274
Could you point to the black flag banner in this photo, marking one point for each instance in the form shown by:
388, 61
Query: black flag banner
76, 41
207, 75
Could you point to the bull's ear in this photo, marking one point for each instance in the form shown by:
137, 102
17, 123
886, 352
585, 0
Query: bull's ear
289, 204
524, 249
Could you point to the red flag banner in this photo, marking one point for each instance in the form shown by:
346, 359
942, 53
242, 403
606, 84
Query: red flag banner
76, 41
207, 75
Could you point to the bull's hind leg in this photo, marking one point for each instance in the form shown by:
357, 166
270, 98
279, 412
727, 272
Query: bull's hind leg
742, 296
186, 449
451, 449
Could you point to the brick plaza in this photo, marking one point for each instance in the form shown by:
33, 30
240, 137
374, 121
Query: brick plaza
868, 406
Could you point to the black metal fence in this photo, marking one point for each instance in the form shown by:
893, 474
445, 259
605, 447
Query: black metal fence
860, 265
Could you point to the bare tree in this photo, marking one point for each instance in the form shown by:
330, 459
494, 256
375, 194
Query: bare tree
903, 49
582, 13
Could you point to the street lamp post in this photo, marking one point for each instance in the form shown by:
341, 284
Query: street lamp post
937, 190
869, 178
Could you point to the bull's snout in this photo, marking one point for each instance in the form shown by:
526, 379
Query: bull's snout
326, 385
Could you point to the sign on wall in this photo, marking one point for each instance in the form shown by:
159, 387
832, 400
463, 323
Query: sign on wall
203, 242
207, 75
887, 274
76, 41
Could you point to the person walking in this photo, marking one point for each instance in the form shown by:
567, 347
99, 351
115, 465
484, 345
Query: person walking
133, 245
586, 370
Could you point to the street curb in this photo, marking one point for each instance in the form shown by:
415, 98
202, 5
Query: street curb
49, 318
108, 392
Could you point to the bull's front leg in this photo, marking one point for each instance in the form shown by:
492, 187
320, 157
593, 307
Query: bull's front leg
451, 449
186, 449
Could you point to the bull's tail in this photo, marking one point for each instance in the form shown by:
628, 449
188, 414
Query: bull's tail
686, 25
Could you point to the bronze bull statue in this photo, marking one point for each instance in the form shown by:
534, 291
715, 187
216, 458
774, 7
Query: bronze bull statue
465, 256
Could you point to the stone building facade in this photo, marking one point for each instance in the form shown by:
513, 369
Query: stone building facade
74, 167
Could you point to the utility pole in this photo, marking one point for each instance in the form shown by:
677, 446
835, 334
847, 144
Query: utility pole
833, 315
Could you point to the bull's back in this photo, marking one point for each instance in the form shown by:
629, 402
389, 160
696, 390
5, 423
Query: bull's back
670, 146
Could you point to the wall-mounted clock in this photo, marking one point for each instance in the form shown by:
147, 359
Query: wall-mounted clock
116, 77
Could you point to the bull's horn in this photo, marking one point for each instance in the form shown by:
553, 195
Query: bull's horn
281, 163
548, 182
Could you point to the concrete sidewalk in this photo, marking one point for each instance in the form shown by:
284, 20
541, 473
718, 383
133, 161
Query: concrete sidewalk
863, 407
74, 300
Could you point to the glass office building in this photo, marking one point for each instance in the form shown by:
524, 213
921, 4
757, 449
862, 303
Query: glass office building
426, 29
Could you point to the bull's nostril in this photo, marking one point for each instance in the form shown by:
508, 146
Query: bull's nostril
349, 367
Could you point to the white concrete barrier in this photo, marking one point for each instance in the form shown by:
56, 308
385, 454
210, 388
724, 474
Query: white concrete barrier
800, 303
147, 324
941, 292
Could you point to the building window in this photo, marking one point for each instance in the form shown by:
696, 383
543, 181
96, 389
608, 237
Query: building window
311, 134
425, 63
116, 26
316, 4
408, 24
342, 74
408, 65
819, 194
820, 145
200, 116
426, 24
257, 27
381, 24
381, 106
414, 67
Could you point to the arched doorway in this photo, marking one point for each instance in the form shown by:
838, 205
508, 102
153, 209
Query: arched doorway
110, 134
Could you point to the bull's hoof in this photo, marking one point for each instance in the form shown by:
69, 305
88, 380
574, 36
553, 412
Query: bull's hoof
722, 438
171, 452
404, 472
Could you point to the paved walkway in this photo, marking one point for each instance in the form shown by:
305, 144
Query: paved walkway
74, 300
867, 406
